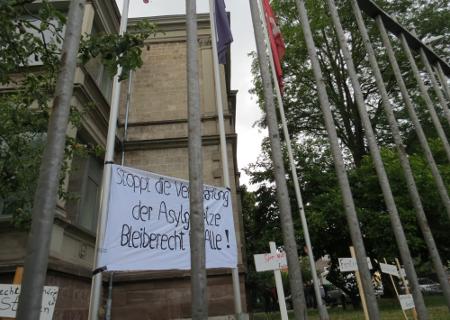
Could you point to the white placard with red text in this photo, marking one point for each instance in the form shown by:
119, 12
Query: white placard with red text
270, 261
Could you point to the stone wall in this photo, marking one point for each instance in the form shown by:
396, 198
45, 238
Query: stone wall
73, 295
169, 297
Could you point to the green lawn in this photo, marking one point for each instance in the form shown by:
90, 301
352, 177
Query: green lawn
390, 310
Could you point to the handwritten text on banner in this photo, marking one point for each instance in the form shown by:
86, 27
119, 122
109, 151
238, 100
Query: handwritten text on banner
9, 301
148, 223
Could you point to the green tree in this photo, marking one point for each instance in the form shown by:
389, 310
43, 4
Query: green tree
30, 44
325, 214
300, 99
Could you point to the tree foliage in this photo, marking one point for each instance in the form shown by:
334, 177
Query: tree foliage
320, 190
300, 99
30, 47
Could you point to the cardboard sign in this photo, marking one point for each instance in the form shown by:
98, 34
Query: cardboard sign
270, 261
349, 264
9, 300
148, 224
392, 270
406, 301
389, 269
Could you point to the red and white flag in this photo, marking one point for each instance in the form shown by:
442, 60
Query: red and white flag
276, 41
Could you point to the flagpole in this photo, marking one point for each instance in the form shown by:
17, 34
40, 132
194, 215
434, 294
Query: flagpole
124, 140
96, 286
223, 145
323, 313
287, 225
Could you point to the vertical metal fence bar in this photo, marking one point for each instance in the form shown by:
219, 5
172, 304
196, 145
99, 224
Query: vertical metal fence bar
45, 197
425, 96
396, 224
349, 206
287, 225
321, 306
444, 104
414, 118
443, 80
199, 295
404, 162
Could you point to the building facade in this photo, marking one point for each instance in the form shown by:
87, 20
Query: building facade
73, 234
156, 141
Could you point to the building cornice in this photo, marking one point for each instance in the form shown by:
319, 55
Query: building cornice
171, 121
172, 143
172, 22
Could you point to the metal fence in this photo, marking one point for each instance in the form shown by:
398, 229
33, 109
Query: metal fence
430, 74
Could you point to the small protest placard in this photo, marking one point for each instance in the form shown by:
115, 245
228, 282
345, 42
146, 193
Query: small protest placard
349, 264
270, 261
9, 301
406, 301
148, 223
389, 269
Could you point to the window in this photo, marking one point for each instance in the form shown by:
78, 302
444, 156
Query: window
84, 191
97, 70
48, 36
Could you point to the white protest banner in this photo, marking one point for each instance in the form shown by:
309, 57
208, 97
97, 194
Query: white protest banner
9, 300
270, 261
406, 301
389, 269
148, 223
349, 264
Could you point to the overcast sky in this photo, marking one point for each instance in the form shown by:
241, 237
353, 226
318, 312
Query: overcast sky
249, 138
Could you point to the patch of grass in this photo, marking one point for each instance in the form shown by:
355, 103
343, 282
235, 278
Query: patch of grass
389, 308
